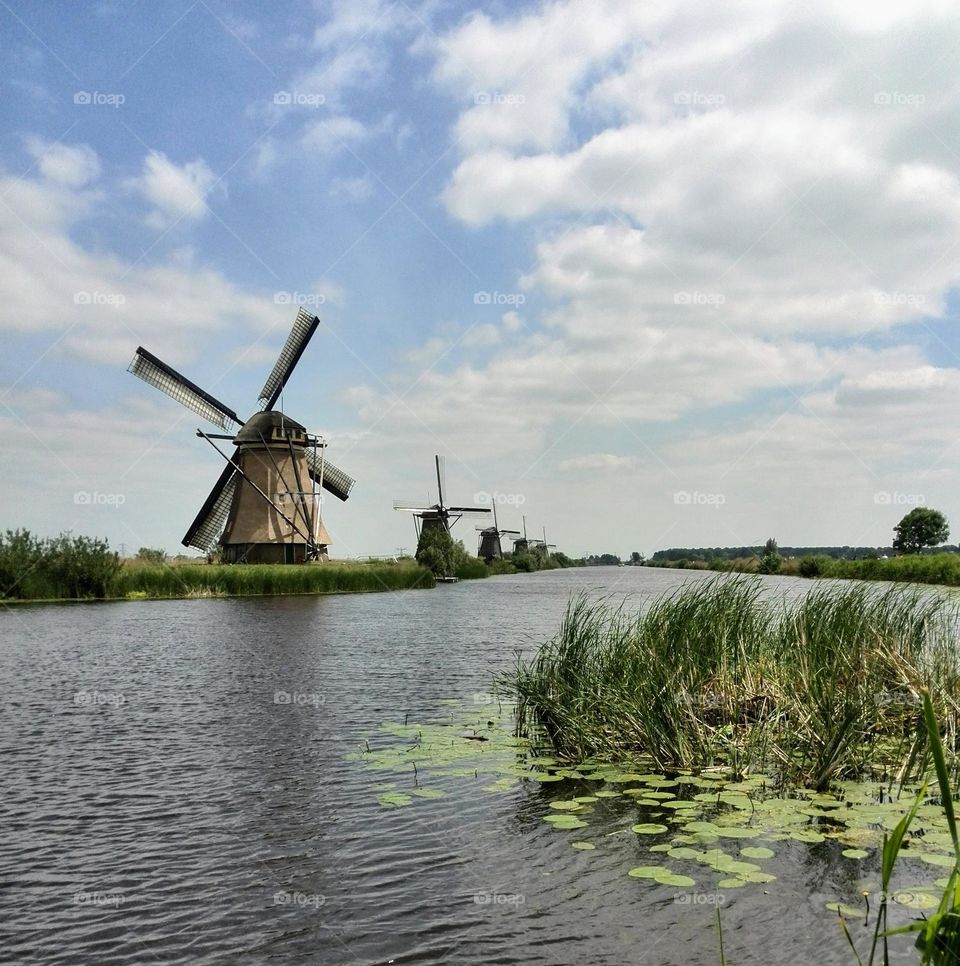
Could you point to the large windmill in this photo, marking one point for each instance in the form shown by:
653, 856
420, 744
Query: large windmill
489, 547
265, 508
438, 516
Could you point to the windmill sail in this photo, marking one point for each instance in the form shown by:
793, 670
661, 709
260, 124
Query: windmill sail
304, 325
210, 520
334, 479
151, 370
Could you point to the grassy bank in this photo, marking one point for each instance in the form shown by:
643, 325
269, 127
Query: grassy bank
936, 568
823, 688
257, 579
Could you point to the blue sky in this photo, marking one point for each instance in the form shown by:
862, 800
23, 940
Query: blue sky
662, 276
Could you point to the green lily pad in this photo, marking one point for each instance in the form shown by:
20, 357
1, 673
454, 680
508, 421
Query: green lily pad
608, 793
583, 846
566, 806
734, 832
855, 853
674, 879
731, 883
394, 799
756, 876
757, 852
937, 858
647, 871
648, 828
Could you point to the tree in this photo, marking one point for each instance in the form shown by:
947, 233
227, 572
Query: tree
439, 553
771, 560
151, 556
636, 558
921, 527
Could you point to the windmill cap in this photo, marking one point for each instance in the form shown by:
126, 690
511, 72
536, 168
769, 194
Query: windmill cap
264, 424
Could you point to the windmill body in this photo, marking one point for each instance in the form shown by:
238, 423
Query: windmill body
266, 505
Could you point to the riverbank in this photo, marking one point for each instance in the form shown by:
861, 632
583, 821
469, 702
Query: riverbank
938, 568
164, 582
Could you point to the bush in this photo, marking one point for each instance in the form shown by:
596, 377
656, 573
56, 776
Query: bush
57, 567
814, 565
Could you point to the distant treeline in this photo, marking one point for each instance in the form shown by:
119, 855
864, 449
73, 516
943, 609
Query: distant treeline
739, 553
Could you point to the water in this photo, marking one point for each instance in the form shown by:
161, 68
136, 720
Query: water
160, 806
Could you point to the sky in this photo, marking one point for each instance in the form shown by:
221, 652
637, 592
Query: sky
648, 274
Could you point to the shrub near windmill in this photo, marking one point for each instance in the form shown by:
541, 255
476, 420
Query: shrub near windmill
265, 507
436, 549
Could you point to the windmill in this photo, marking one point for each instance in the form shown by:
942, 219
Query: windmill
490, 547
266, 501
436, 517
542, 545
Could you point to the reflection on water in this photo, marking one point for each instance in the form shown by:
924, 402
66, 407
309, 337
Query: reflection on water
177, 790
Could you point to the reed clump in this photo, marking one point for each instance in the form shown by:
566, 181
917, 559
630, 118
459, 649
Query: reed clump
240, 580
824, 687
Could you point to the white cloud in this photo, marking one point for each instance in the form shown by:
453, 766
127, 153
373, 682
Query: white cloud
70, 165
605, 462
177, 192
333, 134
101, 304
352, 190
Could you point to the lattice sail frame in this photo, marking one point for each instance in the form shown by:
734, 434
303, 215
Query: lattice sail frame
304, 325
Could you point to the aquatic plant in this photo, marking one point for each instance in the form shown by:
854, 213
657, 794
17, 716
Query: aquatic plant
255, 579
812, 690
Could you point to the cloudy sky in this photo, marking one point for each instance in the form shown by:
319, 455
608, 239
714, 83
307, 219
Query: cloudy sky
655, 274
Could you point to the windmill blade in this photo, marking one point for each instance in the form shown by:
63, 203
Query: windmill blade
412, 506
210, 520
146, 366
334, 479
304, 325
441, 478
509, 533
463, 510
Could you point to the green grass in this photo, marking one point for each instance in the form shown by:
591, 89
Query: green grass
937, 568
257, 579
822, 688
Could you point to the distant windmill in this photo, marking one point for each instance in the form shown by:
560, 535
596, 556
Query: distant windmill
490, 547
265, 502
438, 516
542, 544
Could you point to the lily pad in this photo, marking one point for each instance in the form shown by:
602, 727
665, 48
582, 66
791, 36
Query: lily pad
855, 853
757, 852
583, 846
647, 871
566, 806
394, 799
674, 879
648, 828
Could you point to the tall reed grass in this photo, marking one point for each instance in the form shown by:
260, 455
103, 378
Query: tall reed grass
819, 688
254, 579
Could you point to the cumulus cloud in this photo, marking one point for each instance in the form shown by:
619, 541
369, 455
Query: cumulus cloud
71, 165
178, 193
